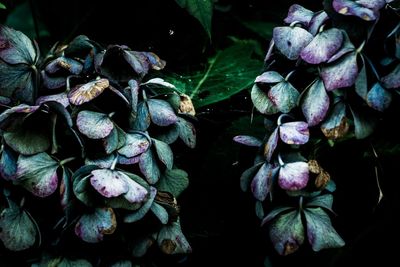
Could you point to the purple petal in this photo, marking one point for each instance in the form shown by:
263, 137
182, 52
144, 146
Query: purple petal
378, 98
128, 161
346, 48
269, 77
284, 96
86, 92
392, 80
287, 233
315, 104
323, 46
336, 125
136, 193
135, 144
348, 7
51, 82
291, 40
161, 112
372, 4
262, 182
299, 14
63, 63
261, 101
342, 73
316, 22
271, 144
92, 227
247, 140
109, 183
60, 98
293, 176
294, 133
93, 124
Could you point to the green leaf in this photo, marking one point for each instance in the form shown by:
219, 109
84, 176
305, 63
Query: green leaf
228, 72
262, 28
38, 174
174, 181
2, 6
200, 9
171, 239
92, 227
287, 233
17, 230
141, 245
320, 232
21, 19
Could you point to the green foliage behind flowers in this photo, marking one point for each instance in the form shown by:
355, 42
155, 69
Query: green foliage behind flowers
87, 131
324, 83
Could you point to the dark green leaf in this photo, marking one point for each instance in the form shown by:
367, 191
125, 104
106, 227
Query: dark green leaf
37, 174
2, 6
323, 201
141, 120
8, 163
247, 176
174, 181
160, 212
275, 212
200, 9
93, 226
363, 125
103, 162
141, 245
171, 240
287, 233
259, 210
320, 232
262, 28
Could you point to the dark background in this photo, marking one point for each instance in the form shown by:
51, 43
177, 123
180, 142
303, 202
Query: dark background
218, 219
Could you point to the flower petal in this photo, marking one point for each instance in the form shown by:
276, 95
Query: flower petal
379, 98
293, 176
336, 125
299, 14
315, 103
86, 92
341, 73
294, 133
291, 40
284, 96
262, 182
93, 124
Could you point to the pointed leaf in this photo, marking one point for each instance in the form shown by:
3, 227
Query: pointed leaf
379, 98
37, 174
284, 96
148, 166
161, 112
315, 103
140, 213
323, 46
262, 182
336, 125
17, 231
269, 77
299, 14
247, 140
92, 227
271, 144
164, 153
171, 240
295, 132
291, 40
262, 102
84, 93
174, 181
341, 73
392, 80
293, 176
287, 233
320, 232
187, 132
200, 9
93, 124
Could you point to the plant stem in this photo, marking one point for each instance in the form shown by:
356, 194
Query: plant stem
65, 161
205, 76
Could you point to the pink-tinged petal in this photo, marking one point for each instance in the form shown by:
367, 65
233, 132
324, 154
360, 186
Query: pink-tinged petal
291, 40
352, 8
294, 133
293, 176
317, 21
392, 80
135, 144
92, 227
128, 161
247, 140
323, 46
60, 98
284, 96
269, 77
270, 146
299, 14
315, 103
109, 183
346, 48
261, 101
93, 124
379, 98
341, 73
136, 193
262, 182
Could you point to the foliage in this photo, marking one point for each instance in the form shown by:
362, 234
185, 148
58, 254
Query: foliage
85, 131
323, 83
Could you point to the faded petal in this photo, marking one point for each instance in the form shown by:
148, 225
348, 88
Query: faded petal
342, 73
336, 125
294, 133
315, 103
291, 40
299, 14
86, 92
379, 98
293, 176
93, 124
262, 182
284, 96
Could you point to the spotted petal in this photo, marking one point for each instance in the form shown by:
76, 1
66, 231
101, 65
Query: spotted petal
296, 132
93, 124
84, 93
291, 40
341, 73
